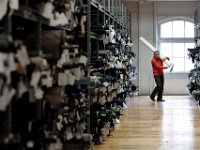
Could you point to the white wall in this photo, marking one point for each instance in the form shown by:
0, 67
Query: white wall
133, 7
174, 85
145, 17
146, 30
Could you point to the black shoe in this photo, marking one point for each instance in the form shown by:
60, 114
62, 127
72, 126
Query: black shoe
152, 99
160, 100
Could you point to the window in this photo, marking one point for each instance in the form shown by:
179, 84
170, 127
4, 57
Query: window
175, 37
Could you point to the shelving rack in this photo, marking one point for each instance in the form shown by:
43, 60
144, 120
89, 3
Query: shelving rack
106, 14
194, 53
109, 12
27, 26
27, 22
112, 10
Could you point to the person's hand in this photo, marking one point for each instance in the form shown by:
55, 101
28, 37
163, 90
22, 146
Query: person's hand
167, 58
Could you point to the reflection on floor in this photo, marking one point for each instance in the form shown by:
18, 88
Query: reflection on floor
146, 125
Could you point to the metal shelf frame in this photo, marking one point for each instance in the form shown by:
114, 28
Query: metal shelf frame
114, 11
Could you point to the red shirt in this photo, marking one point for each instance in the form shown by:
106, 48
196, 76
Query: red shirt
157, 65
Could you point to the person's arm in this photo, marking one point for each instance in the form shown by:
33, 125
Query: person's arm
157, 65
165, 58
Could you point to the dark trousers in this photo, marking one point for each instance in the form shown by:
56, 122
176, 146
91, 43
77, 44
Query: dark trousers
158, 90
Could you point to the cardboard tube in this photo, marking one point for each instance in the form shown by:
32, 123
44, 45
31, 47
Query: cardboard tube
145, 42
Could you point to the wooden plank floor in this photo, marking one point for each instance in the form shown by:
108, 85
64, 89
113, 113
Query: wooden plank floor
145, 125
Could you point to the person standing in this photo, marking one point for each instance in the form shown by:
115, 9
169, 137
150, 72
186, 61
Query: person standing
157, 65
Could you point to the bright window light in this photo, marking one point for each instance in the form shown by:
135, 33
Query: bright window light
166, 30
166, 49
175, 38
178, 64
189, 30
178, 50
178, 29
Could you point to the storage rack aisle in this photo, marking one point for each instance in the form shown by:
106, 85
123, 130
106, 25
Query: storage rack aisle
44, 100
112, 65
